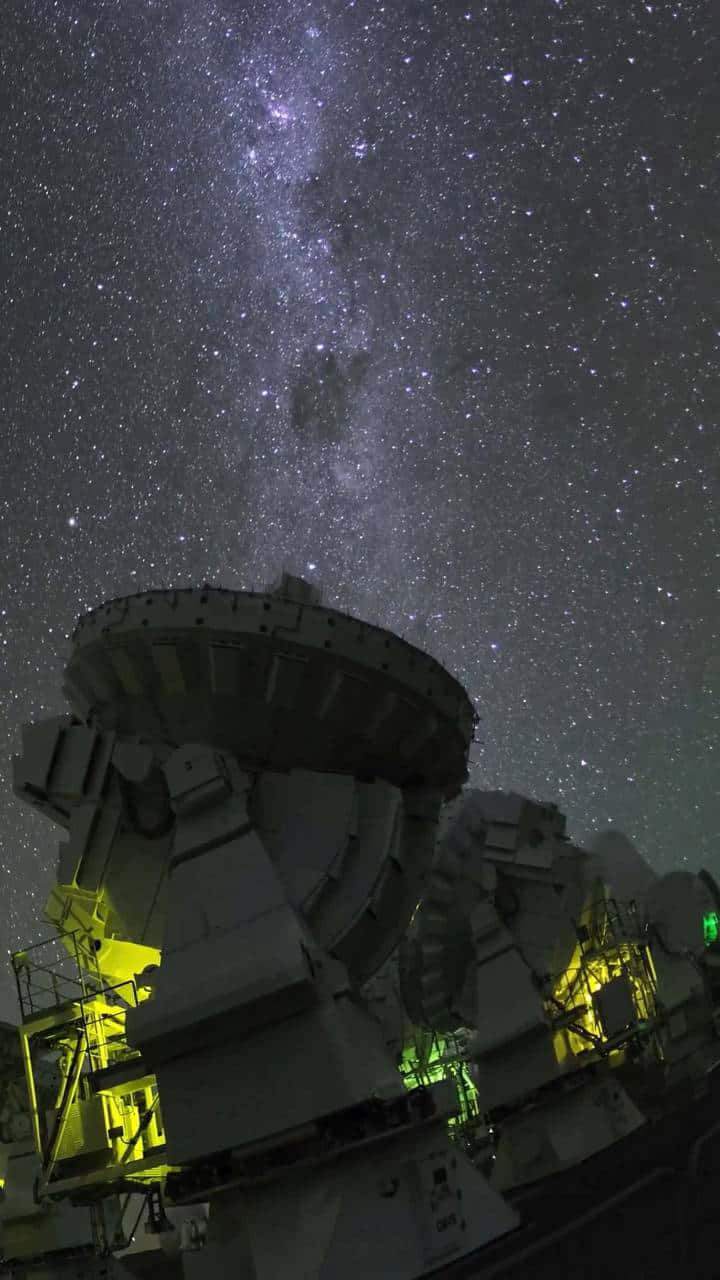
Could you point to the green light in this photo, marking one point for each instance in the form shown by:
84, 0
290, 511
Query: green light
441, 1062
711, 928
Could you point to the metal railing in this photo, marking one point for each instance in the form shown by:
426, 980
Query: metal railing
55, 972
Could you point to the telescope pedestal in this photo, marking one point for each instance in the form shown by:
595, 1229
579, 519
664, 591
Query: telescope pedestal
398, 1208
279, 1095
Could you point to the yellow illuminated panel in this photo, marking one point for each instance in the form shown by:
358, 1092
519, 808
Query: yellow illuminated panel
589, 971
106, 1124
88, 917
117, 1130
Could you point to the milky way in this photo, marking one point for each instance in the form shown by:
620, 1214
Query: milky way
420, 301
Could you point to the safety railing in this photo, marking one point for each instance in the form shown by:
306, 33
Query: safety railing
50, 974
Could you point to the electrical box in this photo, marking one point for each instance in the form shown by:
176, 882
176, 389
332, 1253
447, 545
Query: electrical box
615, 1007
88, 1126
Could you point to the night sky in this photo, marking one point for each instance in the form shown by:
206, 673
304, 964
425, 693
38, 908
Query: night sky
421, 301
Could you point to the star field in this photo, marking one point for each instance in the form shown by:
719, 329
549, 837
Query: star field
419, 301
